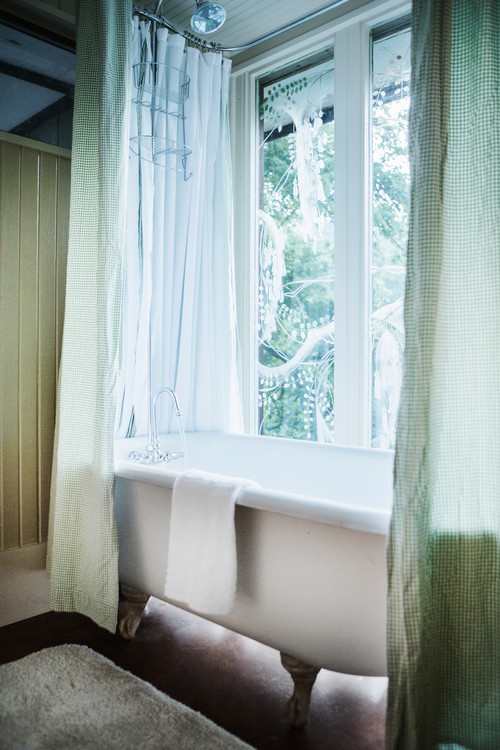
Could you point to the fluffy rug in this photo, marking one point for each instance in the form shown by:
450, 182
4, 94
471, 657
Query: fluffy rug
71, 697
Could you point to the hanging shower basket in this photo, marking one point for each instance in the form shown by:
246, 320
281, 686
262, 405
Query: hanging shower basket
161, 88
161, 151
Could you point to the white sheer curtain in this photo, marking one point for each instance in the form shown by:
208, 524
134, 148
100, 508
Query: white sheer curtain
179, 246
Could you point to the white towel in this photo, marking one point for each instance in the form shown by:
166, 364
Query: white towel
201, 567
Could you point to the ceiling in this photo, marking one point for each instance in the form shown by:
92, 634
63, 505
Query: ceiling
247, 21
36, 77
36, 87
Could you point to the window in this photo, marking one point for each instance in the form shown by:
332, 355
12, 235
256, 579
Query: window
37, 75
390, 193
322, 214
295, 325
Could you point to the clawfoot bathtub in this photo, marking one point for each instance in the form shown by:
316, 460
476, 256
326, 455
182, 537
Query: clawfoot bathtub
310, 546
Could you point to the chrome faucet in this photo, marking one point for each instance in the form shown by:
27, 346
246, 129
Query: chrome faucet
153, 454
156, 440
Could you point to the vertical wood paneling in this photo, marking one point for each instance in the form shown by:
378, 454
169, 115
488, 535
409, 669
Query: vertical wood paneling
28, 345
34, 213
10, 165
46, 332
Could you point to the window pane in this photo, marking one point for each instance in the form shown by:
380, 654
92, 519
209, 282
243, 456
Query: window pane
390, 202
296, 272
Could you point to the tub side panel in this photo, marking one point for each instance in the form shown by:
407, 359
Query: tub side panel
319, 590
143, 521
315, 591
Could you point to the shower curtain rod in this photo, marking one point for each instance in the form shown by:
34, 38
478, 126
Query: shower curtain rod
218, 47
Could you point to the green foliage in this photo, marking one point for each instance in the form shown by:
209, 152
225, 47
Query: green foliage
390, 231
278, 93
390, 203
289, 403
308, 290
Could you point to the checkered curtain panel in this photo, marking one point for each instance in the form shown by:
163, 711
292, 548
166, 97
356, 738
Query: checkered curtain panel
83, 546
444, 548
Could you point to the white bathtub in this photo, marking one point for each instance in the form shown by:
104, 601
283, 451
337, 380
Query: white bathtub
310, 541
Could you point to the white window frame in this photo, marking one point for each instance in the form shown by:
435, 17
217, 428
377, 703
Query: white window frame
350, 36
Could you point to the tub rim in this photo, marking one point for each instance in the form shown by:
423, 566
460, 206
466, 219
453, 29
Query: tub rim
320, 510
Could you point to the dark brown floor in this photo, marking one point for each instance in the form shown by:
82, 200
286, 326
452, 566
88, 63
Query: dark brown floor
236, 682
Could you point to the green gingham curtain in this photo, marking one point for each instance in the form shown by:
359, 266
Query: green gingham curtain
83, 548
444, 547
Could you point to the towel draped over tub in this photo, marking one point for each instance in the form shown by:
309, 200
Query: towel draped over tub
201, 565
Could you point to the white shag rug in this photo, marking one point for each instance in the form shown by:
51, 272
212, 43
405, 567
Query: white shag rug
71, 697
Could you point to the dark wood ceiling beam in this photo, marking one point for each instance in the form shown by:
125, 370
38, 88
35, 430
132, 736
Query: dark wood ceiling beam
39, 79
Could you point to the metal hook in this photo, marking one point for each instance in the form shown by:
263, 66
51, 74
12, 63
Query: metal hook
184, 166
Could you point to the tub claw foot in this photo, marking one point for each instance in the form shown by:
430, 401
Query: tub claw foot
303, 676
131, 608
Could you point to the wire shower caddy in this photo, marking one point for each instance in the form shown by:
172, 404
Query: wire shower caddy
161, 92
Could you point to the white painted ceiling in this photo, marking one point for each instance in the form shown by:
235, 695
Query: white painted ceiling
21, 98
247, 20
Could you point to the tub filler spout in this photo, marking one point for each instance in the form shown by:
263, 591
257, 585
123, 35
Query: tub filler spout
168, 456
153, 453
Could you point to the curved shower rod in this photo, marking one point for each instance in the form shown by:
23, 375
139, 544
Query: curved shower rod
218, 47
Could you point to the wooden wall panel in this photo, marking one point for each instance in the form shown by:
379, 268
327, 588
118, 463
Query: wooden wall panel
10, 164
28, 345
47, 332
34, 214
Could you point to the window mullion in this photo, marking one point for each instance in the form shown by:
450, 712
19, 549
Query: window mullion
352, 235
243, 118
